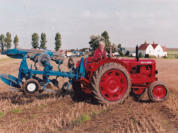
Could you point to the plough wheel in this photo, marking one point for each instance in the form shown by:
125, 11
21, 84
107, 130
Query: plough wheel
31, 86
158, 91
111, 84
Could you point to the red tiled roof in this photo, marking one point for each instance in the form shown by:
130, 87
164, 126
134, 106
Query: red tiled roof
143, 46
164, 49
154, 45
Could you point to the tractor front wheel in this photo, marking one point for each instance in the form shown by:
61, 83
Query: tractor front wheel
158, 91
31, 86
111, 84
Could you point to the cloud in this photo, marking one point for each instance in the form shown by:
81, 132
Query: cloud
95, 14
128, 21
153, 1
87, 14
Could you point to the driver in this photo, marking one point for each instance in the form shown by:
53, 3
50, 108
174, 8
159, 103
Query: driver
100, 52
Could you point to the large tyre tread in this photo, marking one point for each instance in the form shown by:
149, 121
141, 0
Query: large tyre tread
95, 83
25, 85
151, 88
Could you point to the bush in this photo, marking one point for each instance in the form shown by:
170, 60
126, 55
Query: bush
121, 53
147, 55
1, 114
127, 53
152, 56
165, 57
85, 117
140, 55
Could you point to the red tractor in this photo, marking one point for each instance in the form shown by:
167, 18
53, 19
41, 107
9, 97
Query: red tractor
111, 80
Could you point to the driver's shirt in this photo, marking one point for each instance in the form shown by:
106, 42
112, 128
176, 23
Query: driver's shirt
99, 54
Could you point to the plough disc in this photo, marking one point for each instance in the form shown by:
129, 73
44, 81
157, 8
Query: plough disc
10, 80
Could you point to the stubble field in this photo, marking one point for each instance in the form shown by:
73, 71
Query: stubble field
46, 113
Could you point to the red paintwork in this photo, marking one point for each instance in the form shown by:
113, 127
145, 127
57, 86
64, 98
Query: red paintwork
159, 92
113, 85
138, 91
85, 84
142, 72
164, 48
99, 54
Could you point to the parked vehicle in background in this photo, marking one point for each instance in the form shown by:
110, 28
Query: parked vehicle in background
74, 54
115, 54
69, 53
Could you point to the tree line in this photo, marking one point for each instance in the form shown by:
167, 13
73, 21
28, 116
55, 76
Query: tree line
41, 41
37, 42
95, 39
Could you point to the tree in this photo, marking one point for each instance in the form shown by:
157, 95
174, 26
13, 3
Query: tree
120, 49
147, 55
2, 40
58, 41
119, 46
43, 41
105, 35
114, 48
127, 53
8, 40
35, 40
16, 41
140, 55
83, 49
94, 41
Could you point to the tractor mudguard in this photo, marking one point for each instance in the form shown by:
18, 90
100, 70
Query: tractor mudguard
82, 68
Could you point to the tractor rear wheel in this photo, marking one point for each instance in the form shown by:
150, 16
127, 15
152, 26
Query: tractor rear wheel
111, 84
158, 91
31, 86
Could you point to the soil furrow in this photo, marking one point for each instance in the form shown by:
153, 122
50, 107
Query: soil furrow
46, 113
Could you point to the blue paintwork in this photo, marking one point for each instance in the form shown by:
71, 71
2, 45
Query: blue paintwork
15, 53
27, 73
10, 80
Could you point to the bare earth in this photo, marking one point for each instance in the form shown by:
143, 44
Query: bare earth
45, 113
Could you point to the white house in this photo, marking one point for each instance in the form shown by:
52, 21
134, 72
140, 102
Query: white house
159, 51
152, 49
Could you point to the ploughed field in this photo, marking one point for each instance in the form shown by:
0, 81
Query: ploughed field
47, 113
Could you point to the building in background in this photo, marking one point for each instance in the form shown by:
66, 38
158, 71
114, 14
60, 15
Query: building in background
152, 50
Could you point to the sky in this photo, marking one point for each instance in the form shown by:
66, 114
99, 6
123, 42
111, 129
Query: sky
129, 22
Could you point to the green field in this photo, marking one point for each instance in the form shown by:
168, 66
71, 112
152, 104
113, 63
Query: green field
172, 54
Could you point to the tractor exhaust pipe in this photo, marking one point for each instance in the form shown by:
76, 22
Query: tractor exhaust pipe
137, 57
